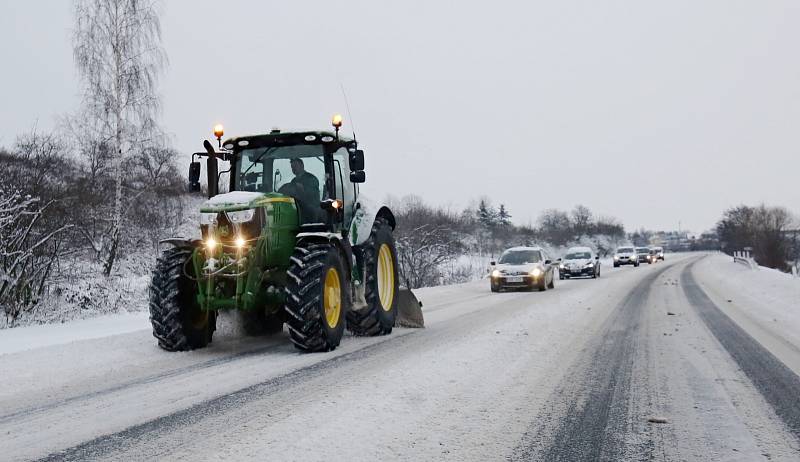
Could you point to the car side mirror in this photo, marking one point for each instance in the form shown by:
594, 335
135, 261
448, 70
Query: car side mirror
194, 176
357, 160
493, 263
547, 262
597, 257
358, 177
558, 260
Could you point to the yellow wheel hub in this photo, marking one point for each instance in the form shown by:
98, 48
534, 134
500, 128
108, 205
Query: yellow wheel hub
332, 298
385, 277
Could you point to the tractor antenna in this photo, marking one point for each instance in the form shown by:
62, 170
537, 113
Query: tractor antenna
349, 115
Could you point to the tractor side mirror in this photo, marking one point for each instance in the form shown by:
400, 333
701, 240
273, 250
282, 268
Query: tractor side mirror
358, 177
194, 176
357, 160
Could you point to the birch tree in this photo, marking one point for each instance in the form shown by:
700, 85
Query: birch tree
117, 49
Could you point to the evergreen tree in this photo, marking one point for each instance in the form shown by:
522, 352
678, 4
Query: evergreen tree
503, 217
487, 216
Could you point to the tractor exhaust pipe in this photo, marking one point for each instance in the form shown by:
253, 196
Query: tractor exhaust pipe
212, 169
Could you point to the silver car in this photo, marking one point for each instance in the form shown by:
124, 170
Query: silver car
626, 256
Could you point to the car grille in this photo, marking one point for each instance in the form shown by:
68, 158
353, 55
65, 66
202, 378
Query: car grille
513, 273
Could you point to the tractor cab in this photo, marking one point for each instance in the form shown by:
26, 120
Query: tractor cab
319, 170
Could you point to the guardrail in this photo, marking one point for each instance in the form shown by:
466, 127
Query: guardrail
744, 258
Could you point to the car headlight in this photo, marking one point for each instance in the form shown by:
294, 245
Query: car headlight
561, 266
241, 216
208, 218
588, 265
496, 273
536, 272
616, 257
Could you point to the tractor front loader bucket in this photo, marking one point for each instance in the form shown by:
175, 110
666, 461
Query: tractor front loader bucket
409, 310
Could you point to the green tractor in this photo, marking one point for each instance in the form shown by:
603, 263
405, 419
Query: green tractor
292, 242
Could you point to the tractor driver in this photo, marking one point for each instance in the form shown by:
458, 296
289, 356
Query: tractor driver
308, 183
304, 187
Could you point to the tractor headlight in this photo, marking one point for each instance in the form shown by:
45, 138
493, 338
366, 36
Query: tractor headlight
208, 218
240, 242
211, 244
536, 272
241, 216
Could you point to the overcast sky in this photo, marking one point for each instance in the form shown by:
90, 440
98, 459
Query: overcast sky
653, 112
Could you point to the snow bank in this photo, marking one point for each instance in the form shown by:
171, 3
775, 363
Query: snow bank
31, 337
767, 296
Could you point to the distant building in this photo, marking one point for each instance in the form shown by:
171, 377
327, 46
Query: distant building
673, 241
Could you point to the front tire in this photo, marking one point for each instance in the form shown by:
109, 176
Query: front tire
317, 297
381, 284
178, 322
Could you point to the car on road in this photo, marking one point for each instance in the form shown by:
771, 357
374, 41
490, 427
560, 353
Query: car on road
644, 254
522, 268
659, 252
652, 256
626, 256
579, 261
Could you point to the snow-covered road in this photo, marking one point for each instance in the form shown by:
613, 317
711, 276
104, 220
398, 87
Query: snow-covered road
574, 373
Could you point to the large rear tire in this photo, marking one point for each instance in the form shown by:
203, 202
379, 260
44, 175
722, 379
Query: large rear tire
317, 297
178, 322
381, 284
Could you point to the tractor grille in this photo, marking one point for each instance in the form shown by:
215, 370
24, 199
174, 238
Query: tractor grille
226, 232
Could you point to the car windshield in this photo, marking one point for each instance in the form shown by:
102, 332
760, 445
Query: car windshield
643, 250
578, 256
520, 257
625, 250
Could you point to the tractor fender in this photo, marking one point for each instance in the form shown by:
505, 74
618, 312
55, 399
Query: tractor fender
366, 212
343, 245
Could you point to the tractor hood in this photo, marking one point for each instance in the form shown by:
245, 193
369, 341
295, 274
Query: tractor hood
241, 200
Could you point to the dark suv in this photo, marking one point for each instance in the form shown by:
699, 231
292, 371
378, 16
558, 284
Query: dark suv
644, 254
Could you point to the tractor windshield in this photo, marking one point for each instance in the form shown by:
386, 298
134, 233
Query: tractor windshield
270, 169
297, 171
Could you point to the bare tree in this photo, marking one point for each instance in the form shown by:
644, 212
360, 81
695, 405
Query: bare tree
555, 226
117, 48
422, 251
762, 228
582, 219
27, 252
